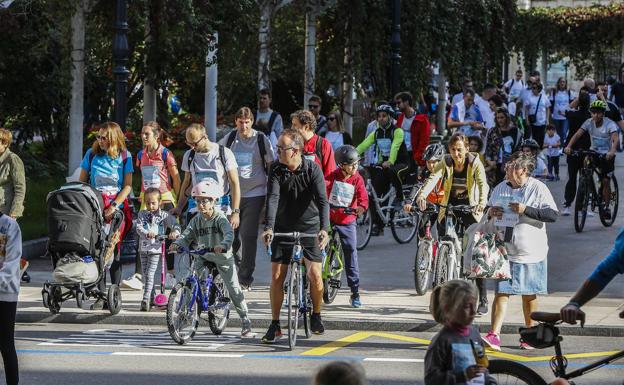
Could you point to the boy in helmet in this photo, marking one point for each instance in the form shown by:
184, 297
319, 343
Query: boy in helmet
345, 188
211, 229
604, 138
530, 146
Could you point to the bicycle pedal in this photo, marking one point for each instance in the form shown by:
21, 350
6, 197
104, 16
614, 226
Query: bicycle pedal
335, 283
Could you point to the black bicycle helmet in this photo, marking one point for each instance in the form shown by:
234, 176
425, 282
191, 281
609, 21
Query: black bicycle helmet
530, 143
434, 151
387, 109
346, 155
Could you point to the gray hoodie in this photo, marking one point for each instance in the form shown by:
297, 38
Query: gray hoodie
209, 232
158, 222
10, 255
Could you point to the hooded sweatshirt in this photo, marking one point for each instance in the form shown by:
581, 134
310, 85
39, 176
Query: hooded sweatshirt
209, 232
10, 255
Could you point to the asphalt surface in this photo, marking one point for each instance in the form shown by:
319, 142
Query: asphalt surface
115, 354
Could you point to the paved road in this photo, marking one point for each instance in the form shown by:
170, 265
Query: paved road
57, 353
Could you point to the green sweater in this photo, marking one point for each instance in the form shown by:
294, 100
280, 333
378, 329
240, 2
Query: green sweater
209, 232
12, 184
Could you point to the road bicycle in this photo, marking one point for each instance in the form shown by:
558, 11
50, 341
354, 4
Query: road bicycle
588, 197
298, 299
402, 224
189, 298
544, 335
333, 262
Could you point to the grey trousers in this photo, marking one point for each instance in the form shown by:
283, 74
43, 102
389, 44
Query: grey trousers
149, 263
227, 271
246, 238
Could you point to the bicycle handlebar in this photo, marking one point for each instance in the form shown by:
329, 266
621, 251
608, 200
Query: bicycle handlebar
346, 210
586, 152
196, 251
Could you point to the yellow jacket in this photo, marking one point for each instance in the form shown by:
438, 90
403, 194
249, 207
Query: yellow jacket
476, 182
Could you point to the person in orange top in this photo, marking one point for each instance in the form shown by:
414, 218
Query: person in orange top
432, 155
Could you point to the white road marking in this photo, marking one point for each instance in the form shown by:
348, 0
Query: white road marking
379, 359
153, 354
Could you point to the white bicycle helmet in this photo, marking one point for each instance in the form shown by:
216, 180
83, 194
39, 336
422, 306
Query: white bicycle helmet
207, 189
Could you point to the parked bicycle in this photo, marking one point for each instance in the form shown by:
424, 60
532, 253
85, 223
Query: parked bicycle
194, 295
298, 298
544, 335
588, 197
402, 224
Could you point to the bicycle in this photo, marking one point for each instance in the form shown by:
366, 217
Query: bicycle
449, 257
298, 299
189, 298
426, 249
545, 335
402, 224
333, 262
588, 196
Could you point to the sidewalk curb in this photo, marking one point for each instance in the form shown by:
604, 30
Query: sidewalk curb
101, 318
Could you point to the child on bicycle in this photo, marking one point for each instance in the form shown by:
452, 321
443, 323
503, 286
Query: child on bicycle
456, 354
151, 222
432, 155
212, 229
345, 188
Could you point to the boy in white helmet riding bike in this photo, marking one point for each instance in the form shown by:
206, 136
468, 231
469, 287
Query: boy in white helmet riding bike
211, 229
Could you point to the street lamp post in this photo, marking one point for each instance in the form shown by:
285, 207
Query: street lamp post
120, 58
396, 47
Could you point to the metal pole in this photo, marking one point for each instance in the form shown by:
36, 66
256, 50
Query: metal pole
120, 58
396, 47
210, 101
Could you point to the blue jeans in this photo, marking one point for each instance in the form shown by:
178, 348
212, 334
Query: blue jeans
348, 239
562, 129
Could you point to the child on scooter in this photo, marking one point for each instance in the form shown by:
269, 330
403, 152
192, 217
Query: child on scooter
211, 229
152, 222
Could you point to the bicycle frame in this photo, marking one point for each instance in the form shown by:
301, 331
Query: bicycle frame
384, 212
194, 282
326, 272
297, 255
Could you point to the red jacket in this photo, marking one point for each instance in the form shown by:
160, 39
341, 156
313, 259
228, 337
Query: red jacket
360, 196
420, 131
327, 163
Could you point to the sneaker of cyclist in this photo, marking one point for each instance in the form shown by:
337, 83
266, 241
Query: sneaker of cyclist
296, 201
391, 155
432, 156
464, 181
315, 148
603, 133
530, 146
346, 188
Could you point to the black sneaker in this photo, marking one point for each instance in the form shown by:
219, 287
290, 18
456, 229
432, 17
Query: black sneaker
483, 307
273, 334
316, 324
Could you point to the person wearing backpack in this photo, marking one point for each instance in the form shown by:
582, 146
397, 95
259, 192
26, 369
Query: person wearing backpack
560, 99
208, 161
315, 148
107, 166
254, 155
266, 120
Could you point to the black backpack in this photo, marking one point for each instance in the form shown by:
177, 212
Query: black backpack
269, 127
232, 136
75, 219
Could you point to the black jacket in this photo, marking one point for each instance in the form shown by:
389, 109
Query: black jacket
297, 200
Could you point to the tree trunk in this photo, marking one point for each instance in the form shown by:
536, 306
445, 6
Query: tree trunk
347, 84
210, 107
76, 109
544, 70
264, 34
441, 110
310, 53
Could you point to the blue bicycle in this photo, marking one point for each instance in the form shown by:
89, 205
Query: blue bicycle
298, 298
202, 291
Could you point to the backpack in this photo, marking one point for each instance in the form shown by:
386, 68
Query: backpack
318, 149
232, 136
191, 157
269, 126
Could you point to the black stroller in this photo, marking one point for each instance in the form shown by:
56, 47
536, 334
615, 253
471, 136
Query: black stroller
76, 227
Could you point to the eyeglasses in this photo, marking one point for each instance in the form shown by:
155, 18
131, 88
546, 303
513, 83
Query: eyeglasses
313, 106
284, 149
354, 164
205, 201
193, 144
332, 118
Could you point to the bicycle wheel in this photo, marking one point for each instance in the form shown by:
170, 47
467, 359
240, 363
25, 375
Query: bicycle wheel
364, 226
403, 226
580, 206
293, 304
219, 306
441, 268
510, 372
307, 313
612, 204
331, 283
182, 313
424, 253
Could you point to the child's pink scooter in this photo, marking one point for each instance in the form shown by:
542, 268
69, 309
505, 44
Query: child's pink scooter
161, 299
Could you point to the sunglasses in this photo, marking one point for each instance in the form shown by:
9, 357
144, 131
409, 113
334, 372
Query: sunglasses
100, 137
313, 106
332, 118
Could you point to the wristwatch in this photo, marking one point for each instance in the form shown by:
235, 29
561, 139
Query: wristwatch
235, 211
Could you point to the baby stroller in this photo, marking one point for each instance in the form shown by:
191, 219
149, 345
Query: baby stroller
78, 247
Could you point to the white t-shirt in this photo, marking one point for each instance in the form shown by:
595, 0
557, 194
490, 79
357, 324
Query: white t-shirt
600, 136
208, 165
511, 108
515, 87
529, 243
335, 138
552, 141
538, 110
562, 100
407, 133
486, 112
457, 98
540, 167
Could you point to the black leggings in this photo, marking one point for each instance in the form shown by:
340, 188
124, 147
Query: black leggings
7, 341
382, 179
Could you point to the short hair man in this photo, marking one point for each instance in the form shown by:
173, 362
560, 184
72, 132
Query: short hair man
314, 106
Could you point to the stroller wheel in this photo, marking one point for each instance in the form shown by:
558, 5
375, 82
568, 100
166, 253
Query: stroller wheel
114, 299
52, 299
80, 297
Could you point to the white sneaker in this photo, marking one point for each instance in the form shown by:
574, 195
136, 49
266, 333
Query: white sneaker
170, 281
134, 283
590, 214
566, 211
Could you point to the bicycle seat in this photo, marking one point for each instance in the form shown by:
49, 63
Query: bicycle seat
541, 316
